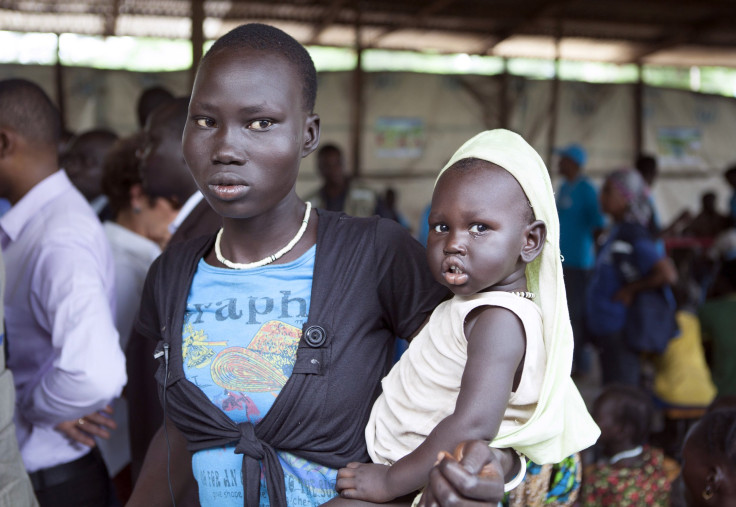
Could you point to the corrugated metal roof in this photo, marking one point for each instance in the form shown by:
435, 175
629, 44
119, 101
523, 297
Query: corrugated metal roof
681, 32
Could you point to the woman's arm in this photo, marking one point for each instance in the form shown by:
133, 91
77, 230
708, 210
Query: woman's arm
152, 488
663, 273
496, 345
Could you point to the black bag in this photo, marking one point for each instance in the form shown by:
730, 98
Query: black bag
650, 321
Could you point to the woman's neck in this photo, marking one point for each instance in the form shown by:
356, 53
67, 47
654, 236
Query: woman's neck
252, 239
131, 221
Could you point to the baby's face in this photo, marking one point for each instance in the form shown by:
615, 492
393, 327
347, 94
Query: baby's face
477, 229
247, 131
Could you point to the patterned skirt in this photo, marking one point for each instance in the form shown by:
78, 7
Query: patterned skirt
548, 485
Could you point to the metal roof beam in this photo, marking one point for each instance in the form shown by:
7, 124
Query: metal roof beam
421, 16
532, 13
683, 35
332, 11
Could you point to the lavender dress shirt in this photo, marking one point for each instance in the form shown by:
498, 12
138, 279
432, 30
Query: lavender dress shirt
59, 306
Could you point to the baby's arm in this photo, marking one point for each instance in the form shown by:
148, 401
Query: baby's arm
496, 345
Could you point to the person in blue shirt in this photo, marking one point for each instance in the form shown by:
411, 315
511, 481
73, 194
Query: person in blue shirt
628, 262
580, 222
730, 176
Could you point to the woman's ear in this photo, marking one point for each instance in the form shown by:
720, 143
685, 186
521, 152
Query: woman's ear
535, 234
311, 134
137, 198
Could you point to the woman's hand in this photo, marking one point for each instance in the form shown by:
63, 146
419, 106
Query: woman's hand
476, 479
663, 273
364, 481
625, 295
85, 428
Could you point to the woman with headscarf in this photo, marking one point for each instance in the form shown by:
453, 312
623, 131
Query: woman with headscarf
628, 263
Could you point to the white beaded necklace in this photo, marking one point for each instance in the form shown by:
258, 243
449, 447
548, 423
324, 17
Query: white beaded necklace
270, 258
523, 294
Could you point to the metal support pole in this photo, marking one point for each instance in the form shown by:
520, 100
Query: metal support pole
358, 105
639, 112
554, 107
197, 8
503, 96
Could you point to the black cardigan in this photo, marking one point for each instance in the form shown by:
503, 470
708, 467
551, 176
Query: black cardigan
371, 284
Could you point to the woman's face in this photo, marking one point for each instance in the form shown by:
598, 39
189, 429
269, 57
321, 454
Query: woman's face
159, 213
247, 131
154, 214
613, 201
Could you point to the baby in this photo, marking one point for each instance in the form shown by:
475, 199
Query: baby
492, 363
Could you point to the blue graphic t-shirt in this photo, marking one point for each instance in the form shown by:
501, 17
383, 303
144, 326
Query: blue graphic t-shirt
239, 342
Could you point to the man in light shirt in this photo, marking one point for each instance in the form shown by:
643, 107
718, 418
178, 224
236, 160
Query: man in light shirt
62, 343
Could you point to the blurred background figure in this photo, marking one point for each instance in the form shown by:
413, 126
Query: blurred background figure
165, 173
165, 179
628, 263
137, 232
628, 470
388, 207
62, 342
338, 192
730, 176
718, 321
646, 165
82, 162
150, 99
708, 475
580, 223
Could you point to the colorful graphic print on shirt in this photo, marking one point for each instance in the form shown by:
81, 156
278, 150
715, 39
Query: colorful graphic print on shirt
239, 343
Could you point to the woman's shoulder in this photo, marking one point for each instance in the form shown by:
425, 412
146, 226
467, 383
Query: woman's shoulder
632, 232
177, 256
375, 228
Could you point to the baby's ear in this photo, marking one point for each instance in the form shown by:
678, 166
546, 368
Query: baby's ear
311, 134
535, 234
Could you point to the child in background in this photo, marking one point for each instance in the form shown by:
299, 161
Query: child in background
709, 460
629, 472
492, 363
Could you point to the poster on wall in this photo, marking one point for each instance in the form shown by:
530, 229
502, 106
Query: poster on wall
399, 137
680, 147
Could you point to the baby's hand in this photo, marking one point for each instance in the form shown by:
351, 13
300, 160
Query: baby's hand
364, 481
